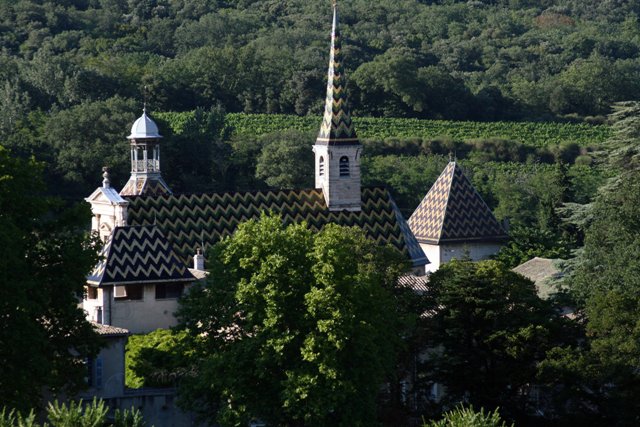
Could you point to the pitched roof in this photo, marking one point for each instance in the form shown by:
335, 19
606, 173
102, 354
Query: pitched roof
337, 127
419, 284
138, 255
193, 220
147, 185
453, 211
540, 271
108, 330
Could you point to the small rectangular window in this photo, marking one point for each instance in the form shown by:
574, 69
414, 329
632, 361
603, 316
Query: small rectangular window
129, 292
169, 290
92, 293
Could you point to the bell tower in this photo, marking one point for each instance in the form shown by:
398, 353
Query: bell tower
337, 148
145, 159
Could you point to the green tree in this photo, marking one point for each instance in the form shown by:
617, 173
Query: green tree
487, 332
297, 328
44, 259
156, 359
612, 241
467, 417
286, 160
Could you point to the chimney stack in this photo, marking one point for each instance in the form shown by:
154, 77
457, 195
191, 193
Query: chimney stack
198, 260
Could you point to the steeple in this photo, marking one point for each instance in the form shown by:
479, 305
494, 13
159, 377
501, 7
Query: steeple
145, 159
337, 149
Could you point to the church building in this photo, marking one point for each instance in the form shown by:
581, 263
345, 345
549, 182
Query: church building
152, 235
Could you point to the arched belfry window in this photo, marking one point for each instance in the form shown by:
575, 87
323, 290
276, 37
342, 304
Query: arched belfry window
344, 166
321, 166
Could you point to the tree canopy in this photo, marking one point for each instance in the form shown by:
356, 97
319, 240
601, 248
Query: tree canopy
293, 327
44, 259
487, 331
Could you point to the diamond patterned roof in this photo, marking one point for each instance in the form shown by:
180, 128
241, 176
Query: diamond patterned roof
337, 127
138, 255
147, 185
453, 211
193, 220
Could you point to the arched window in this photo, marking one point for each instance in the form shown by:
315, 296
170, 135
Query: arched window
344, 166
321, 166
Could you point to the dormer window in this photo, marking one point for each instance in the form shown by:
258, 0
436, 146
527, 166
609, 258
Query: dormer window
321, 166
344, 166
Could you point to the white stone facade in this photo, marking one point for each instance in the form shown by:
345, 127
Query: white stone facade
339, 179
139, 316
440, 254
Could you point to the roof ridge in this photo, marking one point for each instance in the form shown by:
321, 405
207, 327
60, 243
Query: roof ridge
448, 198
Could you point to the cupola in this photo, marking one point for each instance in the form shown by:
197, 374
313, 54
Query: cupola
145, 159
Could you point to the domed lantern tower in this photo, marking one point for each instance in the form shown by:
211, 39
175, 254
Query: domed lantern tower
145, 159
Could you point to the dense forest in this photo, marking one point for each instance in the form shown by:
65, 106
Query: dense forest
481, 60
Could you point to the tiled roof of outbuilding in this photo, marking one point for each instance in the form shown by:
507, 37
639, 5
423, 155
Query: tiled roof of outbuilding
453, 211
109, 331
138, 255
194, 220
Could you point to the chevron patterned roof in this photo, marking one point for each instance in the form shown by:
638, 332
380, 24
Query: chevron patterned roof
453, 211
138, 255
191, 220
337, 127
145, 185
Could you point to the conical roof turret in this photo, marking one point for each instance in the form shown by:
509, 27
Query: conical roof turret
337, 127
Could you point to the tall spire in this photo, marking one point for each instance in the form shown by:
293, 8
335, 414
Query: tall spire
337, 127
337, 149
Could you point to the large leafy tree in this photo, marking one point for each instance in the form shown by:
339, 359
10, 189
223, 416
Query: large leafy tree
43, 263
488, 330
293, 328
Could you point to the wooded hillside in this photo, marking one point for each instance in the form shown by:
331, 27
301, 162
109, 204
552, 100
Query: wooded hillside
479, 60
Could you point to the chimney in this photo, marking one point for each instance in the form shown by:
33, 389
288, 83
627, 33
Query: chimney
198, 260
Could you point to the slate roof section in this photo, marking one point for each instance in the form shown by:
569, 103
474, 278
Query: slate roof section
337, 127
138, 255
453, 211
109, 331
541, 271
419, 284
192, 220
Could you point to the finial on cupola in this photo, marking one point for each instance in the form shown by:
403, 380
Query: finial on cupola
106, 182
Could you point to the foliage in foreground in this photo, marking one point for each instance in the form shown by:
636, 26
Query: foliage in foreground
74, 414
44, 260
468, 417
297, 327
155, 359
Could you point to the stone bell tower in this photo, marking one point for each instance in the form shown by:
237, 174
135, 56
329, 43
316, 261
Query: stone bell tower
145, 159
337, 148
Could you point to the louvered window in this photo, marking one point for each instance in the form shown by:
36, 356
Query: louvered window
344, 166
321, 166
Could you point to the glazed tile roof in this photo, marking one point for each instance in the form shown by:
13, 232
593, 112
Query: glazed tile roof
193, 220
453, 211
138, 255
146, 186
337, 127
